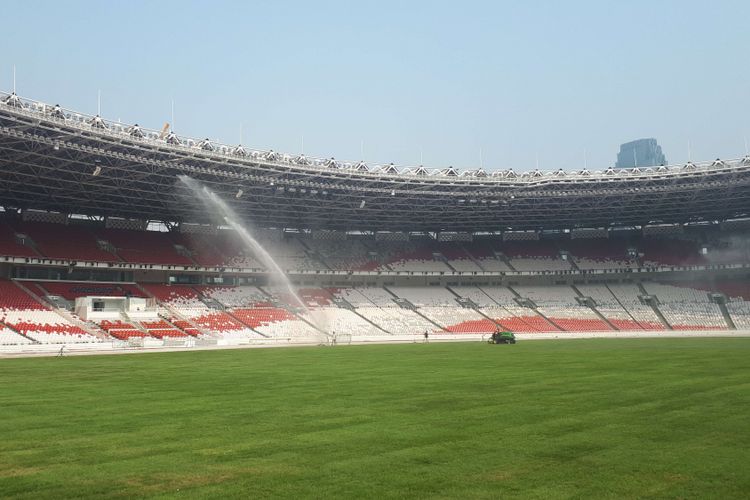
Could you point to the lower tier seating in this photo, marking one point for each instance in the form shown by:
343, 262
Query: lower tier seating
9, 337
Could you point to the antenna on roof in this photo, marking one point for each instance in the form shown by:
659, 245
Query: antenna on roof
173, 115
635, 158
585, 159
481, 160
14, 78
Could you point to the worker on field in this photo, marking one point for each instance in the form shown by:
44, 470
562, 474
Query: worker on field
426, 337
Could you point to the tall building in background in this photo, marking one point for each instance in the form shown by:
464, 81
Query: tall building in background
640, 153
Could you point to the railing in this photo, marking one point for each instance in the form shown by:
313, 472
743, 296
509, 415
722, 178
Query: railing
223, 152
228, 270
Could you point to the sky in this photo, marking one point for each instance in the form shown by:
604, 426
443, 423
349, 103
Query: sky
501, 84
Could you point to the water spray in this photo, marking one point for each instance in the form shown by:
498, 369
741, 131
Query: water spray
224, 212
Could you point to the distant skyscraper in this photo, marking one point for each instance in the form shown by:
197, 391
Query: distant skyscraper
640, 153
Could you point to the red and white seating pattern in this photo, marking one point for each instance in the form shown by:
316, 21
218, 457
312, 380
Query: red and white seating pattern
627, 295
9, 337
185, 302
458, 319
607, 305
22, 313
251, 306
121, 330
161, 329
558, 304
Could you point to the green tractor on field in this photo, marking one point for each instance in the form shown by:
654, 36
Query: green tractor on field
502, 337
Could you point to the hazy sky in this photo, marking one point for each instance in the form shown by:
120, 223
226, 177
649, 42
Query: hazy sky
518, 80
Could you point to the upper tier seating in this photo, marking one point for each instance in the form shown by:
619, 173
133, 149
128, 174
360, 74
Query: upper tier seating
234, 252
667, 252
145, 247
458, 257
343, 255
415, 256
69, 242
202, 248
534, 256
484, 255
9, 246
73, 290
78, 241
600, 254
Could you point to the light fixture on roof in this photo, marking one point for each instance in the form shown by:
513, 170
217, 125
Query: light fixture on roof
362, 204
135, 131
97, 168
239, 194
57, 112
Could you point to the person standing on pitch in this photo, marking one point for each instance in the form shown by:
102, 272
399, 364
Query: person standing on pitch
426, 337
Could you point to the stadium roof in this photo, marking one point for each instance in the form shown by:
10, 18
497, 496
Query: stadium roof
61, 160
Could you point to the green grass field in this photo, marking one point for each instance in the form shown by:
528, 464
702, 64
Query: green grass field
583, 418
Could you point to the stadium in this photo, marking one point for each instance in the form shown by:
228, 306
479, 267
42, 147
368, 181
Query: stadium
103, 250
374, 252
